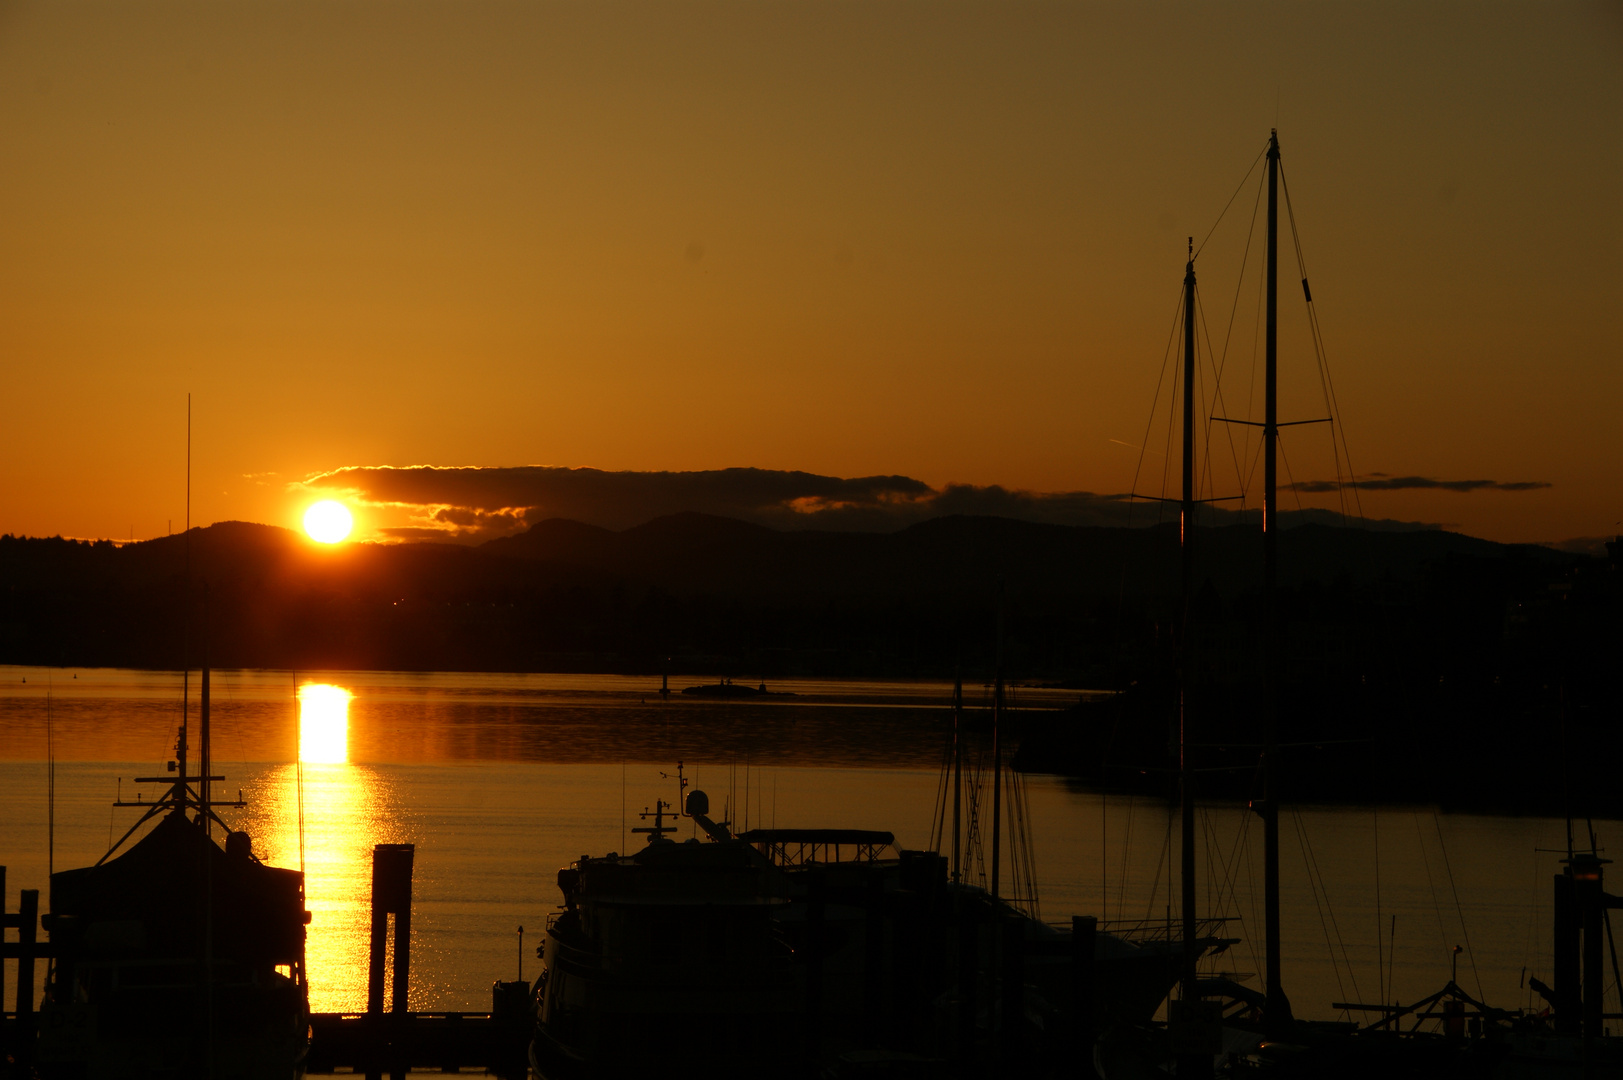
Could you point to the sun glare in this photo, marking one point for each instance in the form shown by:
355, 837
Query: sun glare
328, 522
323, 724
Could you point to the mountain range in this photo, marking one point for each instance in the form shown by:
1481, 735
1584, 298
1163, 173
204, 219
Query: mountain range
688, 590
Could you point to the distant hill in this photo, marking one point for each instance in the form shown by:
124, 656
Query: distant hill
720, 596
699, 553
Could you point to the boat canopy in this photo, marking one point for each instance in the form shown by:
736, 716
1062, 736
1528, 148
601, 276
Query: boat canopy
163, 893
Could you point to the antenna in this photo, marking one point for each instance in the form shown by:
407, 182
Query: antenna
658, 828
681, 791
50, 790
997, 746
298, 767
185, 628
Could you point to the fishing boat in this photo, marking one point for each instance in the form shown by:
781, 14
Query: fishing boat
177, 955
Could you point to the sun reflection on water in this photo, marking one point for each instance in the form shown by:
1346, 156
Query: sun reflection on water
348, 809
323, 724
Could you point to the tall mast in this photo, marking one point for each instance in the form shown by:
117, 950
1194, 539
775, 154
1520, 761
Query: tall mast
204, 757
957, 772
185, 629
1278, 1006
1186, 540
997, 749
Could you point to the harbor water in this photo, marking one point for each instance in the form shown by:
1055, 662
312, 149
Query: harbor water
499, 780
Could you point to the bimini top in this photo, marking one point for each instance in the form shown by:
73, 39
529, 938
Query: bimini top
163, 894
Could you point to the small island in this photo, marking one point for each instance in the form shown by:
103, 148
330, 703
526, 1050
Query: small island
726, 688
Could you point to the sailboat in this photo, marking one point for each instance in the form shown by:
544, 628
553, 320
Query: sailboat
1133, 966
1475, 1039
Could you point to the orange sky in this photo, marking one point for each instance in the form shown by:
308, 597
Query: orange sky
929, 239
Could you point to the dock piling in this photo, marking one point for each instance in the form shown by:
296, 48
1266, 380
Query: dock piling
1084, 933
1013, 998
391, 895
17, 1038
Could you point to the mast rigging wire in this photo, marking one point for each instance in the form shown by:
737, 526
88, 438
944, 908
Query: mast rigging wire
1317, 884
1459, 909
1225, 210
1431, 885
1380, 956
1222, 363
1217, 400
1327, 381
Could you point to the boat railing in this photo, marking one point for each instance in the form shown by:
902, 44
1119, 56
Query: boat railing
1148, 931
791, 848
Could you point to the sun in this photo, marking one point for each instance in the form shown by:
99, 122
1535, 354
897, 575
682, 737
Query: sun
328, 522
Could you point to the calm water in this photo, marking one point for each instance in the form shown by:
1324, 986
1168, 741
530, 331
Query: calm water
501, 779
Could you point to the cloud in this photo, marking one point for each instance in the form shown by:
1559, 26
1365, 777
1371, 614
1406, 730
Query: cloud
1383, 482
475, 504
468, 502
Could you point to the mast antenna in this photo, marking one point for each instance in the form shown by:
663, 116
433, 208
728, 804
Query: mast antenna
1186, 539
1278, 1006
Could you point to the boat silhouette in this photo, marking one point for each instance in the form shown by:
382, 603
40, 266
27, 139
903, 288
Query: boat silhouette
815, 949
177, 956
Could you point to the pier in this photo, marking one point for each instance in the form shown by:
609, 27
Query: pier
373, 1043
376, 1041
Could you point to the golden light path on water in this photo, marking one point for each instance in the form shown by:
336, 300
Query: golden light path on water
324, 724
347, 809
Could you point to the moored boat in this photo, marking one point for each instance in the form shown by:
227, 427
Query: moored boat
731, 954
177, 957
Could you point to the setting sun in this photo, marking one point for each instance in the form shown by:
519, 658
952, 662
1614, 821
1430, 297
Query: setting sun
328, 522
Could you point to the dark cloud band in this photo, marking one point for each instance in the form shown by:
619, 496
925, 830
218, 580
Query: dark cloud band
1382, 482
472, 504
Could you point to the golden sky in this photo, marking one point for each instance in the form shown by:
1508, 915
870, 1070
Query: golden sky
931, 240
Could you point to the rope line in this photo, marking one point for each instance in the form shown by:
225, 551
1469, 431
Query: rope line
1459, 910
1313, 887
1326, 378
1230, 203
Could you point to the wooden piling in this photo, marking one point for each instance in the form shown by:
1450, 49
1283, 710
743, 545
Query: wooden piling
1084, 934
1012, 1036
391, 895
816, 901
969, 947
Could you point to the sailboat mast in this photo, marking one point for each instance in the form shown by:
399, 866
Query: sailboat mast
997, 750
957, 774
185, 629
204, 757
1278, 1006
1186, 538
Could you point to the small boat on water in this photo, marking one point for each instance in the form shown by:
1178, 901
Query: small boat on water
177, 956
